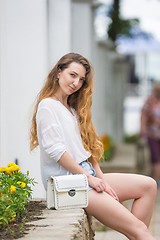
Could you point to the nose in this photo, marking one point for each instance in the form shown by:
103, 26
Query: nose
76, 82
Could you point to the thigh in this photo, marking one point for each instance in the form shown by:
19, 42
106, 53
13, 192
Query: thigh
110, 212
127, 186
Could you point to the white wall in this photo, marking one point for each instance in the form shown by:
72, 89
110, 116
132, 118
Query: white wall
59, 29
120, 74
23, 69
82, 35
101, 106
111, 76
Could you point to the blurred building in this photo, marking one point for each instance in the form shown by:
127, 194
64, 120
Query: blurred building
33, 36
143, 53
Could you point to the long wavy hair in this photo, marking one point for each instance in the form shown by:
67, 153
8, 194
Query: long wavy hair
80, 101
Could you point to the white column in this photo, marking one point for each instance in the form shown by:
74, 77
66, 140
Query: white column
120, 73
59, 29
102, 98
3, 95
23, 67
82, 25
111, 75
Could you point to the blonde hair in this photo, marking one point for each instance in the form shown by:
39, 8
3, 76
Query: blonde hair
81, 101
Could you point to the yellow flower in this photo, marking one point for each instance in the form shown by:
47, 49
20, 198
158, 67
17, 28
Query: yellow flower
22, 184
106, 141
13, 218
13, 168
12, 189
1, 194
10, 164
8, 173
0, 182
3, 169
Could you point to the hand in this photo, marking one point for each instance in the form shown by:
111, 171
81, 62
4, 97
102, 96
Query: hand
111, 192
99, 185
96, 183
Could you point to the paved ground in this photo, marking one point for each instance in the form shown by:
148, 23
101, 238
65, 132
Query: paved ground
155, 226
155, 223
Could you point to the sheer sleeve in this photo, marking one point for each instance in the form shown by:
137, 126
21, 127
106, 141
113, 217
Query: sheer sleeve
50, 133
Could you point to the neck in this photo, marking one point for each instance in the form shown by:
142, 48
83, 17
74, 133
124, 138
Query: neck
61, 99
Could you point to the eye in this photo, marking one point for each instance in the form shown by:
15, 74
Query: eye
82, 79
72, 74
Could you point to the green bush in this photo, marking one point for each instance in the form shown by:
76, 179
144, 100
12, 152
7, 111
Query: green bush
15, 192
131, 138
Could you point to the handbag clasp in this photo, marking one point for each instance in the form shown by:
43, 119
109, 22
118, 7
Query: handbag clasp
72, 192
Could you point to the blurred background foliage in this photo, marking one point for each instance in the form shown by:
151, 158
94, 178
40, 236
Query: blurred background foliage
108, 147
118, 25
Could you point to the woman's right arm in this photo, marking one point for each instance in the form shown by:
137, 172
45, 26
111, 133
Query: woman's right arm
67, 162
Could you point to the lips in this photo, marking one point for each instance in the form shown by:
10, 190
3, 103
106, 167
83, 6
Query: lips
71, 88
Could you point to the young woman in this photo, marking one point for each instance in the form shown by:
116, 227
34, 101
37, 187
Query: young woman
63, 129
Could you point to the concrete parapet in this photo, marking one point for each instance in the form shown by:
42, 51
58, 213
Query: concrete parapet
71, 224
124, 160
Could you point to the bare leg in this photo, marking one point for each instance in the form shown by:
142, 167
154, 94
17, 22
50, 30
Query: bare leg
133, 186
114, 215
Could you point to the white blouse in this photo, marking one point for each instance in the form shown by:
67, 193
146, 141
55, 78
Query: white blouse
58, 132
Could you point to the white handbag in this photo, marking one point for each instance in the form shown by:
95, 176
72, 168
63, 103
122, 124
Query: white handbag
68, 191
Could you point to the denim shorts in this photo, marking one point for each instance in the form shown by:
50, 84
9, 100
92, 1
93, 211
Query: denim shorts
86, 165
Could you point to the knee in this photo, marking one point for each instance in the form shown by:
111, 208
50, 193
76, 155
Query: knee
150, 185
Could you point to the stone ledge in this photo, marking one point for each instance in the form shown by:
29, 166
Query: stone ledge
124, 160
73, 224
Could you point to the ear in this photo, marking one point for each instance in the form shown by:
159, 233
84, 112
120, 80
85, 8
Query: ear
59, 73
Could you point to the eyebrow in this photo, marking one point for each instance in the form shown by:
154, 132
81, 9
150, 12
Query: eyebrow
77, 74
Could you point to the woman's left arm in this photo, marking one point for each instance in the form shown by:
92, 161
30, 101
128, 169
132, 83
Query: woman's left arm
99, 172
108, 189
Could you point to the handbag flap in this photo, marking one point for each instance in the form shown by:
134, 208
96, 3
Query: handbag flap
68, 182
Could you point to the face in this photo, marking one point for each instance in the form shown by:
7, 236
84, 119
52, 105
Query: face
72, 78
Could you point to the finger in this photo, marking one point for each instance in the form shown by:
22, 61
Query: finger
108, 190
115, 195
112, 194
103, 186
98, 189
